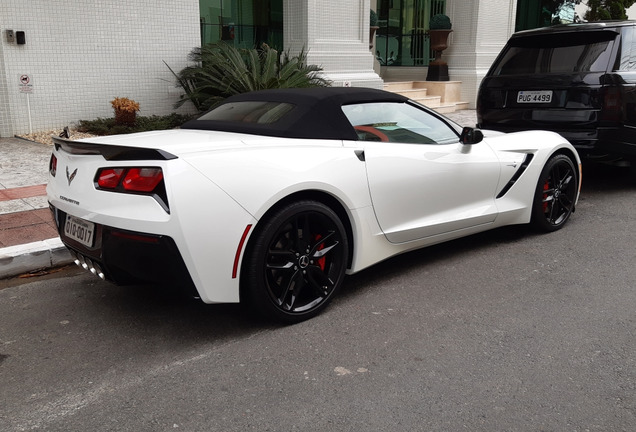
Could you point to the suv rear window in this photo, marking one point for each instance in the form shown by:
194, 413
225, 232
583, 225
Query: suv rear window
556, 53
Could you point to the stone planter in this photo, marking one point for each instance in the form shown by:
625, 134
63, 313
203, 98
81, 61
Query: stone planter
372, 31
438, 69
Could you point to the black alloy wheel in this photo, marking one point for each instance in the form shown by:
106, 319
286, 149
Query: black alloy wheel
555, 194
296, 262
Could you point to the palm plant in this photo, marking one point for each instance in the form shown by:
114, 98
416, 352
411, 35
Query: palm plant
221, 70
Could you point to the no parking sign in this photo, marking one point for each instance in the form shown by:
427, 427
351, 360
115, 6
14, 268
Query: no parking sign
26, 83
26, 86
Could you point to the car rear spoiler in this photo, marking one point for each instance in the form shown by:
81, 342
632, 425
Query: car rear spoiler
110, 152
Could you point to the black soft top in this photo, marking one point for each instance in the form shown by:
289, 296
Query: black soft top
317, 112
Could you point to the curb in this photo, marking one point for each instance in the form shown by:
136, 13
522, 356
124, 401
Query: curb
26, 258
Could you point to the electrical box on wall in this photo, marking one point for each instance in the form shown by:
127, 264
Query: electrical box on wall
20, 37
10, 36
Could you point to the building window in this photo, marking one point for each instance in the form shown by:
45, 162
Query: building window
243, 23
401, 39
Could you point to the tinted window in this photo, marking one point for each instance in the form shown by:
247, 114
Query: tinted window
556, 53
398, 122
249, 112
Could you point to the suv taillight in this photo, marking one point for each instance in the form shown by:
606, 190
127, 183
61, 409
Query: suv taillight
612, 109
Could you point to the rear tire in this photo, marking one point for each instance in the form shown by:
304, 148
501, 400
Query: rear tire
555, 194
296, 262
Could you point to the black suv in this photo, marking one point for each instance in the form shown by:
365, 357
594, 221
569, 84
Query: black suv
578, 80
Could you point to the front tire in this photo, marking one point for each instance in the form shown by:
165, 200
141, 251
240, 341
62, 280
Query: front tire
296, 262
555, 194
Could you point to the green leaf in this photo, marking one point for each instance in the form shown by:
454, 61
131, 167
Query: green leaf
220, 70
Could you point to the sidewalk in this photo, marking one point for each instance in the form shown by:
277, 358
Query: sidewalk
28, 236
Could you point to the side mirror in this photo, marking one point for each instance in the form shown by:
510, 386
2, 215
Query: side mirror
471, 136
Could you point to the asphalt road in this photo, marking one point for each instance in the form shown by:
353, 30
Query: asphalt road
507, 330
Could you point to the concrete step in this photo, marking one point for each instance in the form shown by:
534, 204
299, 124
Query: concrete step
413, 93
445, 109
462, 105
429, 101
398, 86
451, 107
440, 95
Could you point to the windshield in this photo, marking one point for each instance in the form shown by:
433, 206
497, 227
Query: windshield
399, 122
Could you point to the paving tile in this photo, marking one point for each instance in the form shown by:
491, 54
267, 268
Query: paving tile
26, 227
45, 215
22, 192
26, 234
23, 163
37, 202
19, 219
14, 206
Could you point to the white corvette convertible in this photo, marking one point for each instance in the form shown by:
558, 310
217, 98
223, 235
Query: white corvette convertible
273, 196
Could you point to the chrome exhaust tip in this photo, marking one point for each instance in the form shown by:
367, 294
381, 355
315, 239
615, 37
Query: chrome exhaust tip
87, 264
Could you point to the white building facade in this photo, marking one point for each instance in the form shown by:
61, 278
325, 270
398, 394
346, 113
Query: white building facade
78, 56
81, 54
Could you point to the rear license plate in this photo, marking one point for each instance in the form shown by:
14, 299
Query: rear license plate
79, 230
534, 96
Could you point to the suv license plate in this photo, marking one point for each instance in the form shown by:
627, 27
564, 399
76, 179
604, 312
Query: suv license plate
534, 96
79, 230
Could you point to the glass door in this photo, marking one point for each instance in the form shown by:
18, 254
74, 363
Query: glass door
402, 39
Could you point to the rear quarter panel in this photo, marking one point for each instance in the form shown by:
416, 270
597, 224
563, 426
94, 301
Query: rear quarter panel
257, 177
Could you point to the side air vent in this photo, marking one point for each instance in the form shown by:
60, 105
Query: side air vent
513, 180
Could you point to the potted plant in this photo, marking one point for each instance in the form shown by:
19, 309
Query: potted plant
125, 111
373, 27
439, 29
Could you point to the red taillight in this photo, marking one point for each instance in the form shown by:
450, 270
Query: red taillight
135, 179
109, 178
142, 179
53, 165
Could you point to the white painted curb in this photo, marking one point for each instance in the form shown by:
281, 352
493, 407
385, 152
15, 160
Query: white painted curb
16, 260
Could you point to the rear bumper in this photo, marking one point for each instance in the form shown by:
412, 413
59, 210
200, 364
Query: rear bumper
127, 257
620, 141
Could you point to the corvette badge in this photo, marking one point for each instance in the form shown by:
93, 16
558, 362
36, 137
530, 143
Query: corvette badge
70, 176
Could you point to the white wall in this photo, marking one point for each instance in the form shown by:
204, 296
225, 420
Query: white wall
81, 54
480, 30
335, 38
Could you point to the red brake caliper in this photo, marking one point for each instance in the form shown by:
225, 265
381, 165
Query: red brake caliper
321, 261
546, 186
